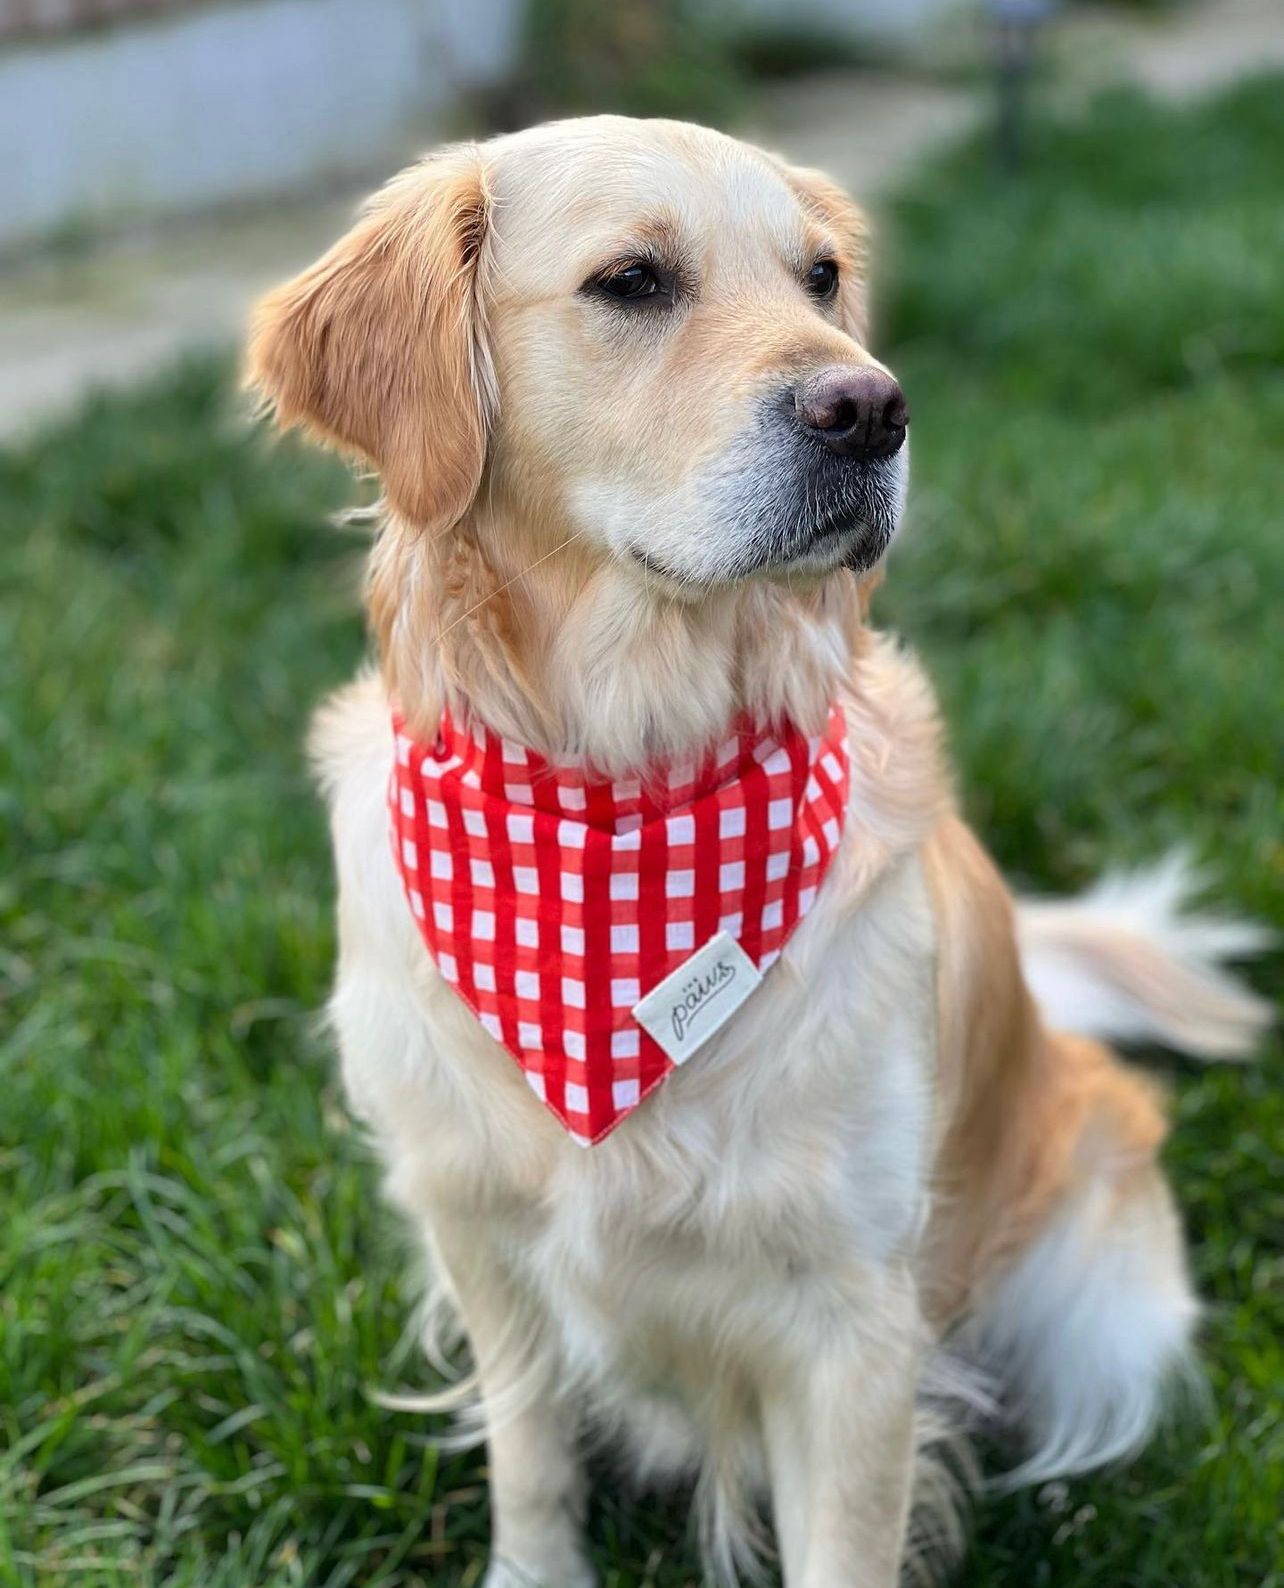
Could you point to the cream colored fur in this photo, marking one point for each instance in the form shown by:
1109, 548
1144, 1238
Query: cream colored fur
885, 1150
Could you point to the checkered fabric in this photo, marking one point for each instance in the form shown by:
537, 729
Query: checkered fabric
552, 901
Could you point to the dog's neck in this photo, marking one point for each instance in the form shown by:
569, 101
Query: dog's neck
580, 658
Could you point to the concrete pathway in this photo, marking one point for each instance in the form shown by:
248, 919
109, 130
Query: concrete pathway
75, 321
866, 131
114, 312
1192, 50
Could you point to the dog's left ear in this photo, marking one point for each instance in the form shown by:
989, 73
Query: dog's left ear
379, 349
832, 207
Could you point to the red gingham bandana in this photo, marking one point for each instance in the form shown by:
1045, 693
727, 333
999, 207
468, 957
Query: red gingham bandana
553, 901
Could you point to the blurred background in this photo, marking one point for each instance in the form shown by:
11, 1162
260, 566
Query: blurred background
1080, 281
127, 122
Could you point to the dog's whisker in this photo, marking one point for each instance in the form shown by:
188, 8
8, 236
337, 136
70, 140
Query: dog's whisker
499, 589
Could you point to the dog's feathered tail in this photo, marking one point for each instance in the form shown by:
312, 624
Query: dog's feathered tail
1087, 1334
1130, 961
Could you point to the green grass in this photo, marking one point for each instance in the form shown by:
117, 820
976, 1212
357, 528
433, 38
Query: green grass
197, 1286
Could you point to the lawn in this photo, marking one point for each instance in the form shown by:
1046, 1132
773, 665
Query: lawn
198, 1286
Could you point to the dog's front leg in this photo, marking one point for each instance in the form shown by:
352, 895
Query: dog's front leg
839, 1428
537, 1491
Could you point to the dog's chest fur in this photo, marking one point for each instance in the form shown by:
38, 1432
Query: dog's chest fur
780, 1174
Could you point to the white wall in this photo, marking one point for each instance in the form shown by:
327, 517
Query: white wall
232, 101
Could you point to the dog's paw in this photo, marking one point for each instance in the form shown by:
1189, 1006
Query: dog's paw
510, 1574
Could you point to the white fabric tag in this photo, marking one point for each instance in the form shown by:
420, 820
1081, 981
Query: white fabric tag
697, 999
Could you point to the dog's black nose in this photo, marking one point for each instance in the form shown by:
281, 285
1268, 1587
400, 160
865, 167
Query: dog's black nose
856, 410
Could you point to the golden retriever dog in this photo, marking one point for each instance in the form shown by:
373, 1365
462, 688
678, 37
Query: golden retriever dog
639, 471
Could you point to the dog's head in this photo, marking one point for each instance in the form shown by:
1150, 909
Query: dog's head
641, 335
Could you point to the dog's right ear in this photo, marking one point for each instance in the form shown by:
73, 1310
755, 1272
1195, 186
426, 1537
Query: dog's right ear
379, 349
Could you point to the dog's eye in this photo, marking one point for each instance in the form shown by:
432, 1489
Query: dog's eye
822, 279
631, 282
